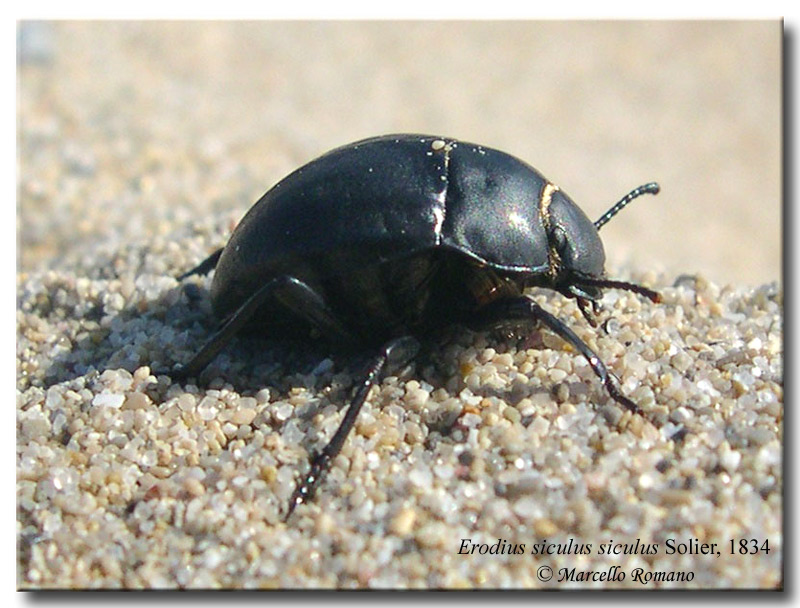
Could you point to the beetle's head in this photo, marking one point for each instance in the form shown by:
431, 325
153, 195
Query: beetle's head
575, 251
574, 246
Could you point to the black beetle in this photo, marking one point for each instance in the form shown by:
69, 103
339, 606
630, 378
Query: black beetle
378, 244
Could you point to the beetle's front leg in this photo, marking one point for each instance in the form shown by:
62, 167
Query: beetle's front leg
523, 308
397, 352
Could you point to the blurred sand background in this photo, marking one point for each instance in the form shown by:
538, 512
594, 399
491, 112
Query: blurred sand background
127, 127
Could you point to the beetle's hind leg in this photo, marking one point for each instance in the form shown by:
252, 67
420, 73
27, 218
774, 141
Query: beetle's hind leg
523, 308
205, 266
395, 353
294, 295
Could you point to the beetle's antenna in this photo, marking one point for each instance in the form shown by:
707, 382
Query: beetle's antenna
651, 188
653, 296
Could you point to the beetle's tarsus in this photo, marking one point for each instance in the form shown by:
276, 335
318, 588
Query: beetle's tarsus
612, 386
589, 316
305, 491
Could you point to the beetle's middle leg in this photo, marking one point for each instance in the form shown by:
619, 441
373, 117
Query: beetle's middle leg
205, 266
523, 308
294, 295
395, 353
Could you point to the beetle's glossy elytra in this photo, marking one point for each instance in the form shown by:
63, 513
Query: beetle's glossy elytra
379, 244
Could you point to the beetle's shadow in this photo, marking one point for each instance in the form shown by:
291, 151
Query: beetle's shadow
153, 332
179, 323
113, 340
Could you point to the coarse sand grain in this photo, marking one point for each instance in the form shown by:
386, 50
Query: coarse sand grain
126, 480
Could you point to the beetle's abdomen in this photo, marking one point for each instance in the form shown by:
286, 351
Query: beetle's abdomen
372, 201
416, 295
384, 300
